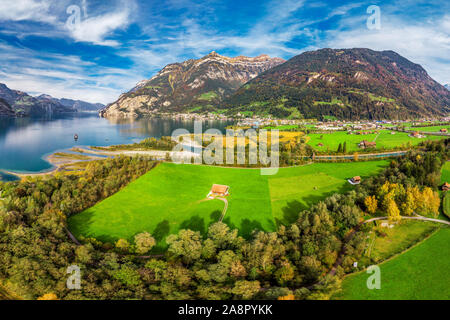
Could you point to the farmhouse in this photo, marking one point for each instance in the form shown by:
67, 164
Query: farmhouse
446, 186
416, 134
367, 144
218, 190
355, 180
443, 130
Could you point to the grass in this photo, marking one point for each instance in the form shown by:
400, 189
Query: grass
420, 273
445, 173
385, 140
429, 128
445, 177
208, 96
282, 127
385, 242
172, 197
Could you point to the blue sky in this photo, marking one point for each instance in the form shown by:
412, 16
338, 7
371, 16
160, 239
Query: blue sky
117, 43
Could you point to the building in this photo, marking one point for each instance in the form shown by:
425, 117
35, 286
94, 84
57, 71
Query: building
367, 144
446, 186
416, 134
218, 190
443, 130
355, 180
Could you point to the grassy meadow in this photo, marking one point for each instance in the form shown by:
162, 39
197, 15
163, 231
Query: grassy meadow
172, 197
385, 140
420, 273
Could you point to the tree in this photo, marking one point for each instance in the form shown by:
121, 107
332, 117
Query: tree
339, 150
355, 156
371, 204
122, 245
246, 289
144, 242
48, 296
393, 211
187, 245
344, 149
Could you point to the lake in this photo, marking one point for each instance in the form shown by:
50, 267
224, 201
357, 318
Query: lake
25, 142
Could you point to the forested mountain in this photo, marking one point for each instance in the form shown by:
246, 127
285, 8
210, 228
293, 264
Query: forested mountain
26, 105
74, 104
5, 109
347, 83
193, 85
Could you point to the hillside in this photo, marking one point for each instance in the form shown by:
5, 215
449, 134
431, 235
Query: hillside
193, 85
348, 83
26, 105
74, 104
5, 109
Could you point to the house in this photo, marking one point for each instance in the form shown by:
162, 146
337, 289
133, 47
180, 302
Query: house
355, 180
218, 190
443, 130
416, 134
367, 144
320, 144
446, 186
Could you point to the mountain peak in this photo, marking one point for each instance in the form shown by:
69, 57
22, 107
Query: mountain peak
355, 83
195, 84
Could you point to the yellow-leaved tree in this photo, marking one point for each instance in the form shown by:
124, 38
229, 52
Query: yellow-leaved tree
371, 204
393, 211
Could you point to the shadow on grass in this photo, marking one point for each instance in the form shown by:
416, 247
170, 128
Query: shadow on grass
293, 208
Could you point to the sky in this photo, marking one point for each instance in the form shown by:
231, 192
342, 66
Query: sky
94, 50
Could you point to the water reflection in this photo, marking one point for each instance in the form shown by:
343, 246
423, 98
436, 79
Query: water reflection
25, 142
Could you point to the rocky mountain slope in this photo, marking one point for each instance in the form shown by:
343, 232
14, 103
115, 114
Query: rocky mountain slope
5, 109
447, 86
347, 83
26, 105
73, 104
193, 85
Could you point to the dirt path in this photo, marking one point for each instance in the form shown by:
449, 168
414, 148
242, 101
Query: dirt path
352, 234
224, 211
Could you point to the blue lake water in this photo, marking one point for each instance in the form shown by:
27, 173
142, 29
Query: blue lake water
25, 142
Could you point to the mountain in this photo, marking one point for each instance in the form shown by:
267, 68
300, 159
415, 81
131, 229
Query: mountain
74, 104
5, 109
447, 86
347, 84
26, 105
193, 85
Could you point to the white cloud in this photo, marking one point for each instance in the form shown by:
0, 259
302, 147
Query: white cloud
18, 10
96, 29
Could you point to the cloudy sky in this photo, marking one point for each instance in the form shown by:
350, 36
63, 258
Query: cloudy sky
96, 49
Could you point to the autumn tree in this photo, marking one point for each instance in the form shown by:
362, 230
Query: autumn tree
144, 242
392, 210
371, 203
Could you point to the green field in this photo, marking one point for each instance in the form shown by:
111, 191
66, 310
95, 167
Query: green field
430, 129
420, 273
172, 197
445, 176
385, 140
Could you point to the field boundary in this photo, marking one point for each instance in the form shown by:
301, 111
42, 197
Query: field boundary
399, 253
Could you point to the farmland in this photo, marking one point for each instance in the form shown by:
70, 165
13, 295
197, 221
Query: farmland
161, 204
385, 140
420, 273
